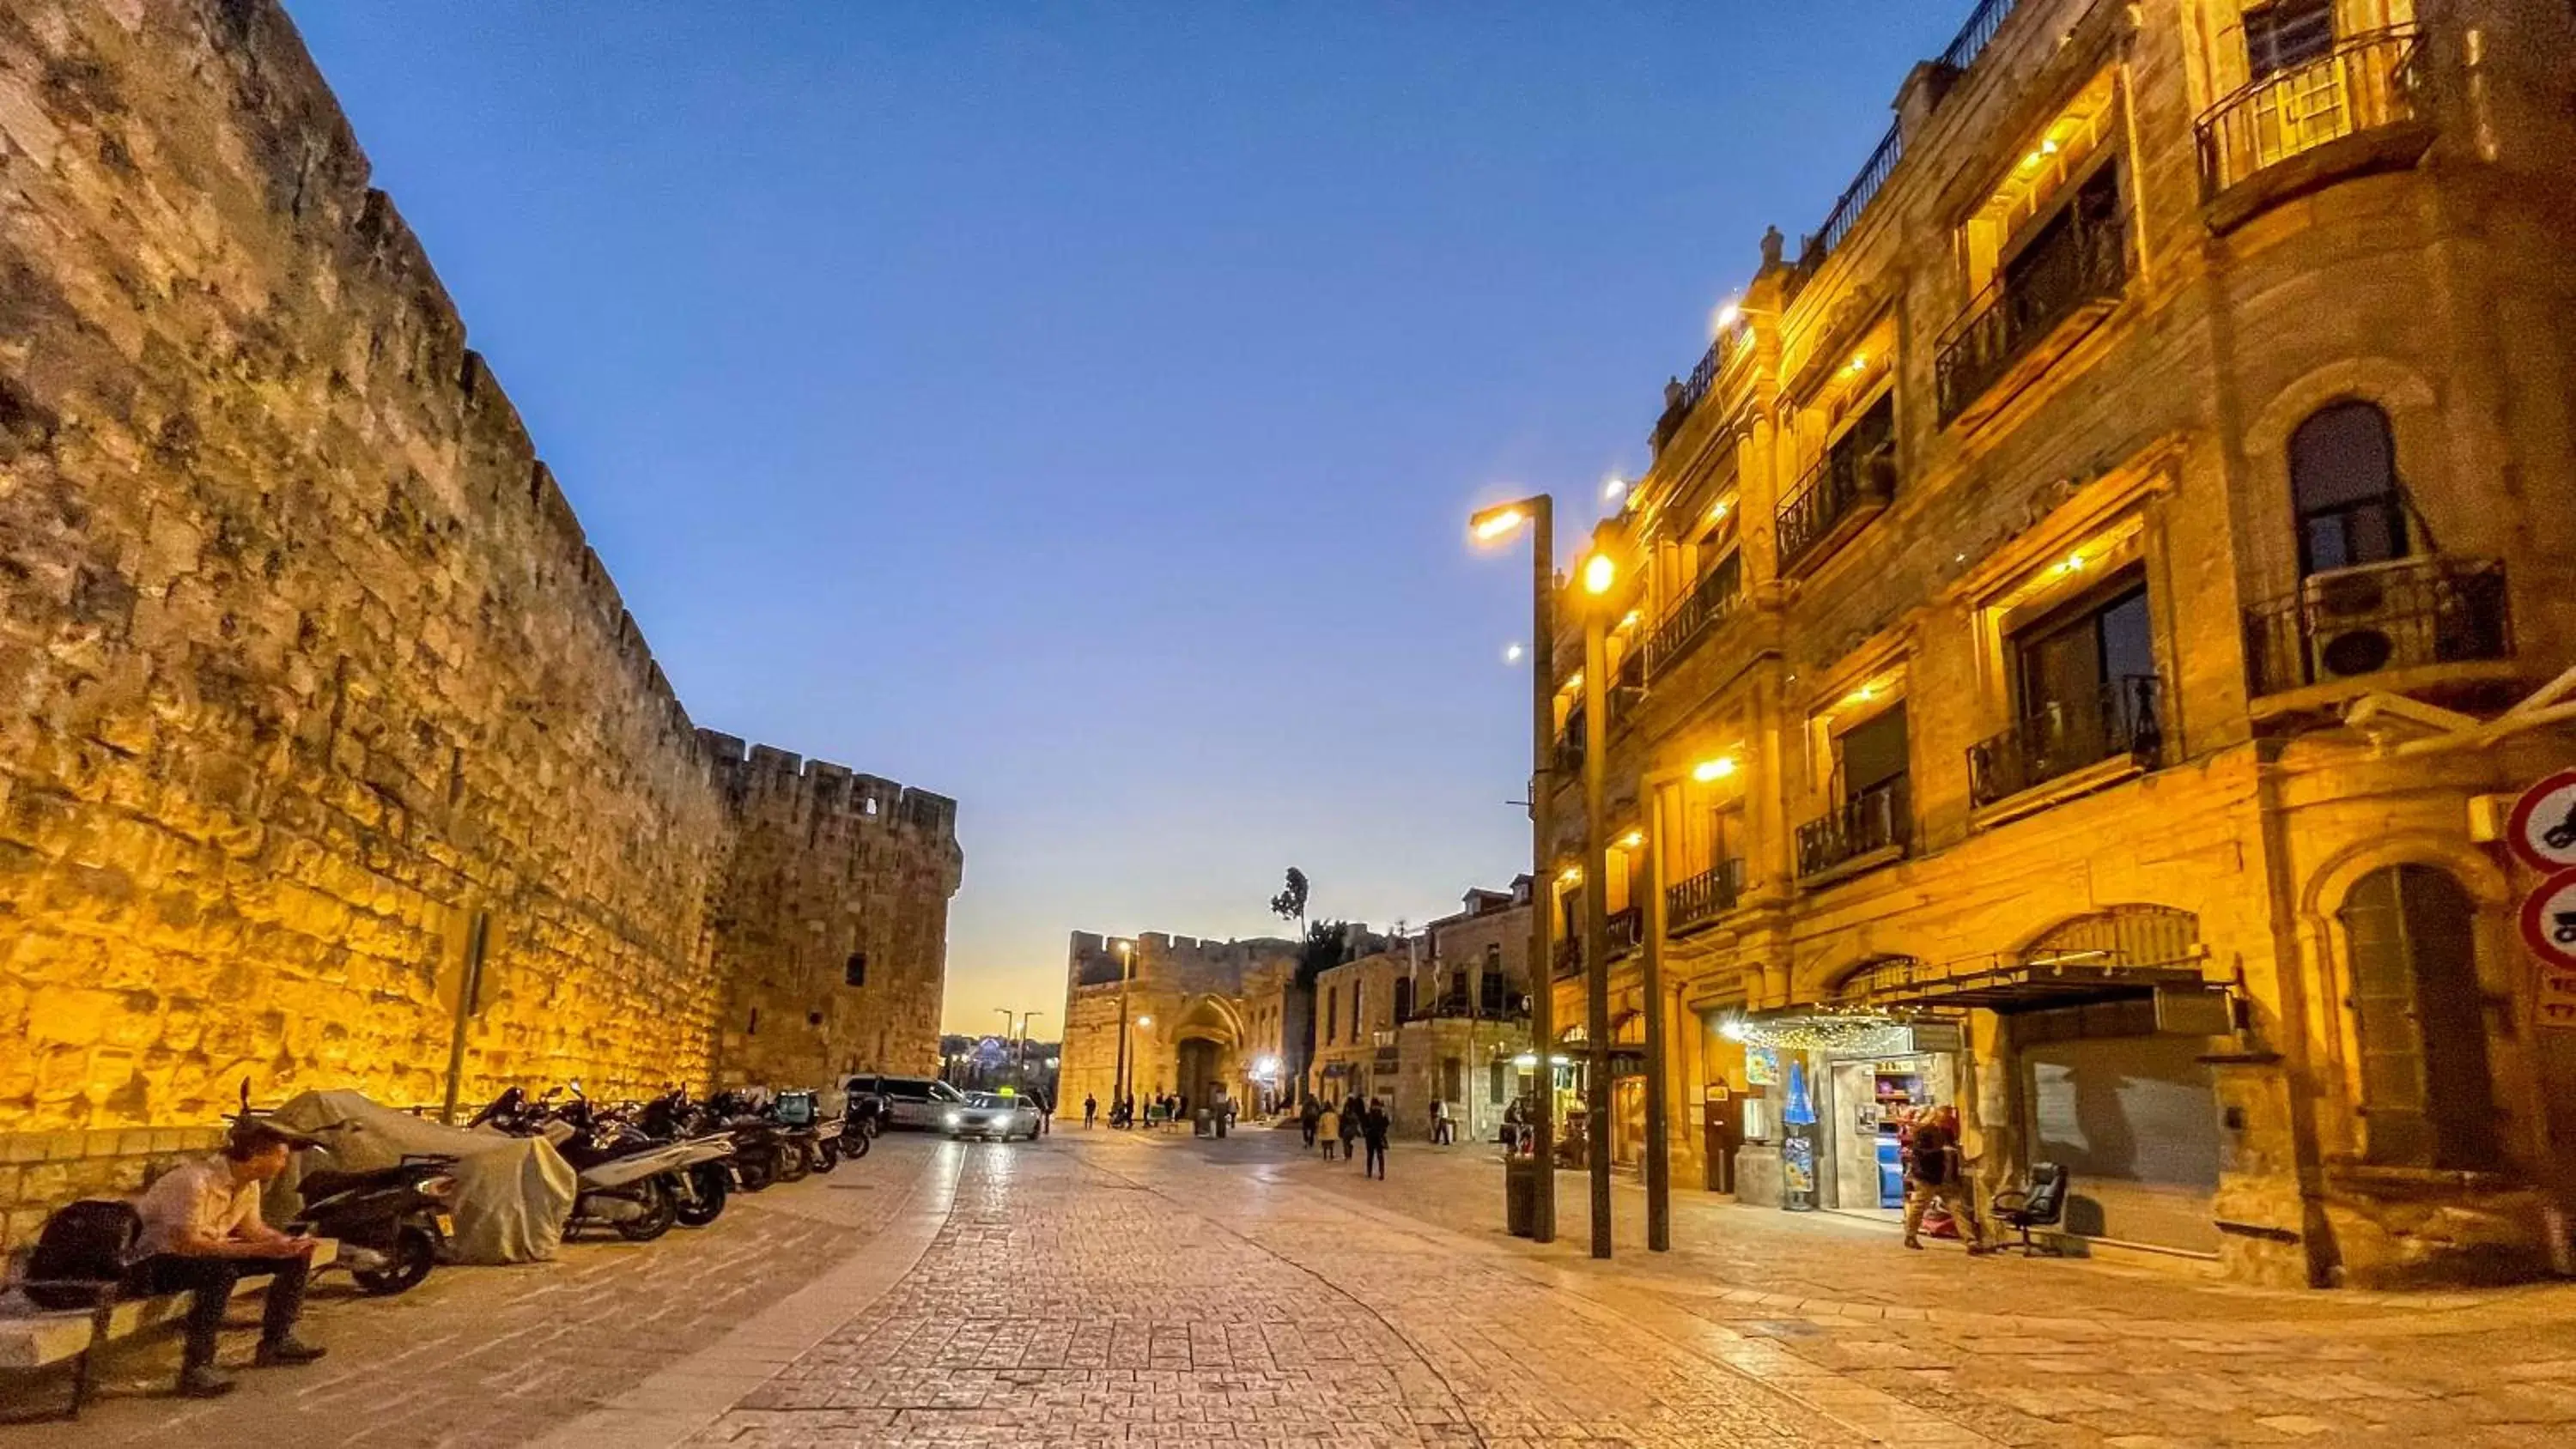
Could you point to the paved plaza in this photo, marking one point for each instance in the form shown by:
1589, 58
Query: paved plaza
1122, 1289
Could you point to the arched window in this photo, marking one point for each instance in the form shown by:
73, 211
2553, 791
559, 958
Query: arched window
2422, 1019
2343, 480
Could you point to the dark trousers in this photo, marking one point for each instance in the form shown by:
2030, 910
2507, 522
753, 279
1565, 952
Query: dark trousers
1376, 1159
211, 1280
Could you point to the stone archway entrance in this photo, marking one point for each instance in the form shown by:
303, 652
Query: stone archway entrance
1208, 1035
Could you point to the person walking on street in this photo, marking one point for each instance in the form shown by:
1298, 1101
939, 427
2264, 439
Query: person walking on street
1932, 1174
1328, 1129
202, 1232
1354, 1117
1444, 1128
1090, 1110
1309, 1112
1375, 1124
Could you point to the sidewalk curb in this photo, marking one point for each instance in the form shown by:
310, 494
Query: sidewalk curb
677, 1402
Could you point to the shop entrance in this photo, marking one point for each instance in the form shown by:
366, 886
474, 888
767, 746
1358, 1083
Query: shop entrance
1870, 1102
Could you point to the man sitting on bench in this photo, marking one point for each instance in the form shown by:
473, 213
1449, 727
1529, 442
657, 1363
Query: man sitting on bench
202, 1232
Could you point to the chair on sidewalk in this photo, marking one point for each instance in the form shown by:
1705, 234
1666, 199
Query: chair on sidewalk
2041, 1205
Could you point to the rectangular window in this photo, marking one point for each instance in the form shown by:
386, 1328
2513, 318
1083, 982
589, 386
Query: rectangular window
1872, 754
855, 970
1492, 988
1453, 1080
1497, 1082
2287, 36
1332, 1015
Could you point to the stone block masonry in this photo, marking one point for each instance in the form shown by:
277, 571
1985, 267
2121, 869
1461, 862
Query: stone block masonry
306, 667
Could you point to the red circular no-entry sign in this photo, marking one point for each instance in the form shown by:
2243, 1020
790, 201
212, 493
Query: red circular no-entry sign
2542, 827
2549, 920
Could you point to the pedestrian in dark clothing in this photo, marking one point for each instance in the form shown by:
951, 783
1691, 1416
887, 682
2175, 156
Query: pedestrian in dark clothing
1090, 1110
1932, 1174
1375, 1124
1354, 1116
1310, 1112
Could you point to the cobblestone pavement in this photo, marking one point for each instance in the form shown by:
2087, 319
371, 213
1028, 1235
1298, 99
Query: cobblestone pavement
1115, 1289
2021, 1351
496, 1356
1125, 1296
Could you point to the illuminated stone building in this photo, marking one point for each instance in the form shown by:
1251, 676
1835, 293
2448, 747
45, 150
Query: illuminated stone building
1181, 1005
2174, 377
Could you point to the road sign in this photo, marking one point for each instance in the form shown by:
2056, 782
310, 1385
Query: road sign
2542, 828
2549, 921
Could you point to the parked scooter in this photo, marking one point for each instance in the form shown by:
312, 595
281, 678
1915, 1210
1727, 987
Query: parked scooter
628, 1182
763, 1152
391, 1222
672, 1117
809, 1130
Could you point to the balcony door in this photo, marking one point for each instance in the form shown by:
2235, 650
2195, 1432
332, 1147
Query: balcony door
1871, 756
2081, 674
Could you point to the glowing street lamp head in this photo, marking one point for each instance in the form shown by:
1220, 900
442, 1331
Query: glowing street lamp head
1717, 769
1632, 840
1512, 653
1599, 573
1497, 523
1613, 488
1144, 1021
1729, 312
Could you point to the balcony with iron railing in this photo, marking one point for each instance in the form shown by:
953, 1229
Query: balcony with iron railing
2379, 620
2366, 83
1464, 1005
2063, 737
1704, 897
1871, 828
1627, 928
1851, 484
2074, 270
1709, 600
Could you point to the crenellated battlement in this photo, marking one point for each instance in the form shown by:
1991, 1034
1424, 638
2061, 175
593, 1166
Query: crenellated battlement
767, 779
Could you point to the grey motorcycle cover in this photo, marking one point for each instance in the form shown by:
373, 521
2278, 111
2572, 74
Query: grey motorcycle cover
513, 1194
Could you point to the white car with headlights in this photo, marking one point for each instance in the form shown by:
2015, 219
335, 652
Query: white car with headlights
990, 1114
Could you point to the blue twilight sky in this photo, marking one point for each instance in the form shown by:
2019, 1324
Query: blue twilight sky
1074, 408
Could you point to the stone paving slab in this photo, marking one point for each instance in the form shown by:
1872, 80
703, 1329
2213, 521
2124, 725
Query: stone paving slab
2036, 1352
499, 1356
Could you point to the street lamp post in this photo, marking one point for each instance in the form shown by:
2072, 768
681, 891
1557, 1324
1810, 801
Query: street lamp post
1539, 512
1659, 1160
1126, 972
1597, 576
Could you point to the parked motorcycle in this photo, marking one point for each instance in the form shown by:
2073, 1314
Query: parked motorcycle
672, 1117
810, 1130
391, 1222
628, 1181
764, 1152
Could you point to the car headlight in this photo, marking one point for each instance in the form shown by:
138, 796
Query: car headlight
954, 1119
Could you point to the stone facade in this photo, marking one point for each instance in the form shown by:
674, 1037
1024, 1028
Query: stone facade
1182, 1003
2124, 359
314, 684
832, 933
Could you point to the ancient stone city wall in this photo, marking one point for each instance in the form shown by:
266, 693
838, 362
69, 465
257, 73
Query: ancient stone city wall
304, 662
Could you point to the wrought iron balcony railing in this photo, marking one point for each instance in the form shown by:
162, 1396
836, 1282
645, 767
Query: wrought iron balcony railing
1711, 599
2363, 621
1459, 1005
1627, 928
1880, 818
1705, 896
2367, 81
2065, 736
2073, 265
1856, 477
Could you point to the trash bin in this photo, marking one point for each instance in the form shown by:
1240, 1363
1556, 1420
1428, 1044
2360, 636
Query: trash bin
1199, 1123
1520, 1196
